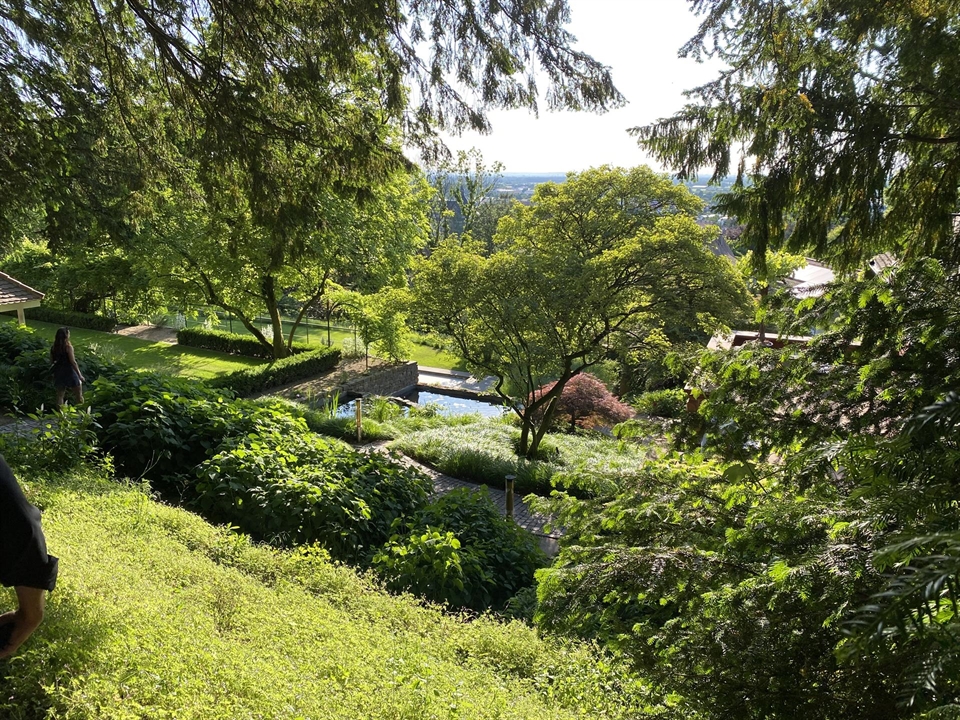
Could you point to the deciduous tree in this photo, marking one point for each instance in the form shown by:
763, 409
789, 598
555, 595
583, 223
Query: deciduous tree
605, 251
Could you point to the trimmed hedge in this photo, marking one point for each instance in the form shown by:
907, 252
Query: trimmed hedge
230, 343
72, 319
280, 372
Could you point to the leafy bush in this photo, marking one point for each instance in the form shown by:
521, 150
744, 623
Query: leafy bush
72, 319
230, 343
161, 427
292, 488
461, 551
432, 564
26, 377
280, 372
57, 442
586, 402
662, 403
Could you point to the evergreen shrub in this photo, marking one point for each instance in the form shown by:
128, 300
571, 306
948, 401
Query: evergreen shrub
280, 372
71, 319
230, 343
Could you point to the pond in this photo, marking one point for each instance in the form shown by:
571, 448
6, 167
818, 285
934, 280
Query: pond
449, 403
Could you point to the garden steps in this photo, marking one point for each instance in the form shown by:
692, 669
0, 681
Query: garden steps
533, 522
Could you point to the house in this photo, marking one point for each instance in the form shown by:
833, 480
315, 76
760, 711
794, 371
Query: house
15, 296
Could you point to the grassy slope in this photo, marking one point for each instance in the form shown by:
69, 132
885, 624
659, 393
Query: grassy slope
160, 615
146, 355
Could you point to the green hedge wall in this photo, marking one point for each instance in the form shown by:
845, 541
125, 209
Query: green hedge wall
72, 319
296, 367
227, 342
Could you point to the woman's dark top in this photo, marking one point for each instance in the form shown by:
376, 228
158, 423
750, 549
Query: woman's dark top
23, 549
64, 376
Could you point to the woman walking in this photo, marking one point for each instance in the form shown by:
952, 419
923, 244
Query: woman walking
66, 374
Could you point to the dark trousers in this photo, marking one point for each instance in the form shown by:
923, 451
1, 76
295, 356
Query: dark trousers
23, 549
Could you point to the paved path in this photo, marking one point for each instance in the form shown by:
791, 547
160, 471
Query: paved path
533, 522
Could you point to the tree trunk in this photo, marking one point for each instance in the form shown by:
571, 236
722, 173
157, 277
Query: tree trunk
273, 310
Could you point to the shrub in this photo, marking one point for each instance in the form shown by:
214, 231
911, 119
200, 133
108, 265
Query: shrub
26, 377
662, 403
280, 372
230, 343
292, 488
460, 551
586, 402
72, 319
160, 427
434, 565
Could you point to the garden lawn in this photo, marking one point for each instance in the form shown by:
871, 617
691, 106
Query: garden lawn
146, 355
158, 614
316, 335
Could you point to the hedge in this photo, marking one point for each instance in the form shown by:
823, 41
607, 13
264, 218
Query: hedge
231, 343
280, 372
73, 319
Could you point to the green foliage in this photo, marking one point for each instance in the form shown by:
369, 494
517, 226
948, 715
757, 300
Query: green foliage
230, 343
296, 488
72, 319
662, 403
164, 615
431, 564
280, 372
608, 253
839, 123
483, 451
59, 442
162, 427
459, 550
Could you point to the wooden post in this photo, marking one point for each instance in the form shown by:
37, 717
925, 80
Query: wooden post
21, 318
359, 410
510, 480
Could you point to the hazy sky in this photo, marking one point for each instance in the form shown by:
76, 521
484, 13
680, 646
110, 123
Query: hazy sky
639, 40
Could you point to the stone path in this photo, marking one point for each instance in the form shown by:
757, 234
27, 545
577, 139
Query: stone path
533, 522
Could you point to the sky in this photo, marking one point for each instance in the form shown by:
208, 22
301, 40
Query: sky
639, 40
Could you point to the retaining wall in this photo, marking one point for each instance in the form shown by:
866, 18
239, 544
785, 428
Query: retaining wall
393, 380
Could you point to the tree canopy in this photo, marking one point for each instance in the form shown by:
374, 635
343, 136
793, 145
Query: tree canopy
608, 251
840, 113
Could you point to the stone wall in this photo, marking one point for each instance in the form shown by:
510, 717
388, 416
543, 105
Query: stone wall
392, 380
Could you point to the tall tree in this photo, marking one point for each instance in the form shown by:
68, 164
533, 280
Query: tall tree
840, 112
588, 259
232, 252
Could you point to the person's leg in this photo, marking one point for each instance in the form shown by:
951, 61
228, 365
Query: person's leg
60, 393
25, 620
78, 395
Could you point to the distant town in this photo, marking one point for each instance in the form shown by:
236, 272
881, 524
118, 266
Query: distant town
521, 185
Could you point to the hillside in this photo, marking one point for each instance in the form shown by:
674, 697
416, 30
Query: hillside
161, 615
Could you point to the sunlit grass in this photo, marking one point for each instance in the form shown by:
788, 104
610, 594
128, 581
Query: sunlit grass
147, 355
159, 615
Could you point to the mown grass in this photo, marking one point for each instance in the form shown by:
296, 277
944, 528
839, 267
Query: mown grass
146, 355
160, 615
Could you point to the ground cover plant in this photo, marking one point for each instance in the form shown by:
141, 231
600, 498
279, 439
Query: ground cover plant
159, 614
484, 450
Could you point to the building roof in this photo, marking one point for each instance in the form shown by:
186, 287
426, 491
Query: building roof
15, 295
